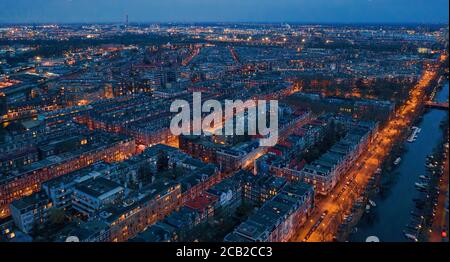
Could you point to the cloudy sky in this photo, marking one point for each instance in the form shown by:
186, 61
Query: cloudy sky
317, 11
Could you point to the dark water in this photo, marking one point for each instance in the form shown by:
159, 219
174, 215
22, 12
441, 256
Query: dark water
388, 219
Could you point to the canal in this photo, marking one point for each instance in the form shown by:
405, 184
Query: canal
392, 212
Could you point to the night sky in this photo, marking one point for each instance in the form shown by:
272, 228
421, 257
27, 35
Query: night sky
303, 11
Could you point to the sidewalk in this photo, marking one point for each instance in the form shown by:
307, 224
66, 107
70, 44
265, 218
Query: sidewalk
441, 220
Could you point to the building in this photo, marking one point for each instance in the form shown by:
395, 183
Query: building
199, 147
228, 193
140, 116
223, 197
93, 194
102, 147
239, 156
7, 229
152, 204
183, 221
30, 211
159, 232
326, 171
260, 188
279, 218
204, 205
60, 190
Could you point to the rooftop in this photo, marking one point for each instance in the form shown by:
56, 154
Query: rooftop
99, 187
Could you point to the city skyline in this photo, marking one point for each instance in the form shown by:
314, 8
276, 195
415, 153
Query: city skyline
224, 122
194, 11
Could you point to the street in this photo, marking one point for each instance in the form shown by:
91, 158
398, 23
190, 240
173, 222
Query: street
339, 202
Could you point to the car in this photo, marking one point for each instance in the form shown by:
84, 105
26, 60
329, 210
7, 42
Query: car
324, 214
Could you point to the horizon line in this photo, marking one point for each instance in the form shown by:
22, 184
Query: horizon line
228, 22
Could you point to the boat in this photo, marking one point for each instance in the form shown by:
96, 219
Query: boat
397, 161
413, 136
416, 214
424, 177
411, 237
412, 226
420, 185
420, 189
372, 203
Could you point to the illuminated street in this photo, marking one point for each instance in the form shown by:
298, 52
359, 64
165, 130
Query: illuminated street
340, 200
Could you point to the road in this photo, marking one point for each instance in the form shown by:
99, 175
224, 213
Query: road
341, 199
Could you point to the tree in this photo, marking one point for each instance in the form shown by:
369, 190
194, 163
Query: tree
56, 216
144, 174
162, 162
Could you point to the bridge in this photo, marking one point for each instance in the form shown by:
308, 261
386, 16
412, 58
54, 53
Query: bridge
436, 105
